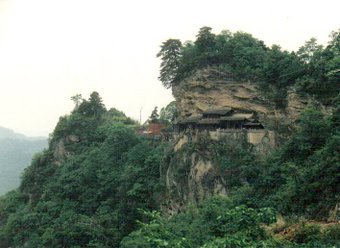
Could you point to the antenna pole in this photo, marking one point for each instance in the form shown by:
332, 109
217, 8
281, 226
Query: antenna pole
140, 115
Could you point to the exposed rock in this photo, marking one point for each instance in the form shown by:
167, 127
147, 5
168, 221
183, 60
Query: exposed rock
201, 91
180, 143
192, 176
198, 93
73, 138
60, 152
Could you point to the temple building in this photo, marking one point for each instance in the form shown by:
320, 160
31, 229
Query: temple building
219, 118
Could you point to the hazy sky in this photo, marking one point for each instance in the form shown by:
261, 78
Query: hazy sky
52, 50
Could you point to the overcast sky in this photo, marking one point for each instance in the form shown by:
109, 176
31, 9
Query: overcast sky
52, 50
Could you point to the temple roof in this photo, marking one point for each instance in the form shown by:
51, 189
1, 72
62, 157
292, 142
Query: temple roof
217, 111
252, 124
190, 119
208, 121
224, 114
237, 117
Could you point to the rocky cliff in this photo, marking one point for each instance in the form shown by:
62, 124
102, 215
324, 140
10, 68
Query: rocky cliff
191, 171
212, 88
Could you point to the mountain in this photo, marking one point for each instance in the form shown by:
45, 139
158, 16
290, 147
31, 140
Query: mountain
6, 133
252, 159
16, 152
232, 126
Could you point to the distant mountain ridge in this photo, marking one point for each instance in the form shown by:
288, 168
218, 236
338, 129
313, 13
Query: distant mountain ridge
6, 133
16, 152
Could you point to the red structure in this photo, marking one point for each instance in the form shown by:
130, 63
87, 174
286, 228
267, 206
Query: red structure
154, 129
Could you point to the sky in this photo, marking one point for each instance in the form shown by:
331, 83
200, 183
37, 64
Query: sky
51, 50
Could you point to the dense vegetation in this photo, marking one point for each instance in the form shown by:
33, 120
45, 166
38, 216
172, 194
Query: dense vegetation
219, 223
303, 176
89, 196
99, 185
313, 69
300, 181
16, 152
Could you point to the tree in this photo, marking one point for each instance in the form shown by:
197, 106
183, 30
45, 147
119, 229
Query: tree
206, 47
321, 69
169, 113
77, 100
309, 50
279, 71
170, 55
96, 103
333, 64
205, 40
313, 131
94, 107
336, 113
154, 115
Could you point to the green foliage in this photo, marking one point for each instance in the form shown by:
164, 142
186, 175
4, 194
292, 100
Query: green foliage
169, 113
77, 99
302, 177
88, 195
312, 69
313, 131
310, 235
205, 45
86, 188
170, 54
220, 223
93, 107
236, 160
321, 76
151, 234
307, 233
332, 233
214, 221
154, 117
280, 70
113, 115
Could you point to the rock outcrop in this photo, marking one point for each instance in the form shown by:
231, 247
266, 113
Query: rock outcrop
60, 152
209, 88
192, 176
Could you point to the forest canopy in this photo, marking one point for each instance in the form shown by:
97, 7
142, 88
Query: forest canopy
313, 69
101, 184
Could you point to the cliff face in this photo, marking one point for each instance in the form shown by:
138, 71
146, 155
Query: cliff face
209, 88
192, 174
60, 152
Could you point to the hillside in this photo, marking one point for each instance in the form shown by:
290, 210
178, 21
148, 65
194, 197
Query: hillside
217, 87
250, 158
86, 188
16, 152
98, 178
